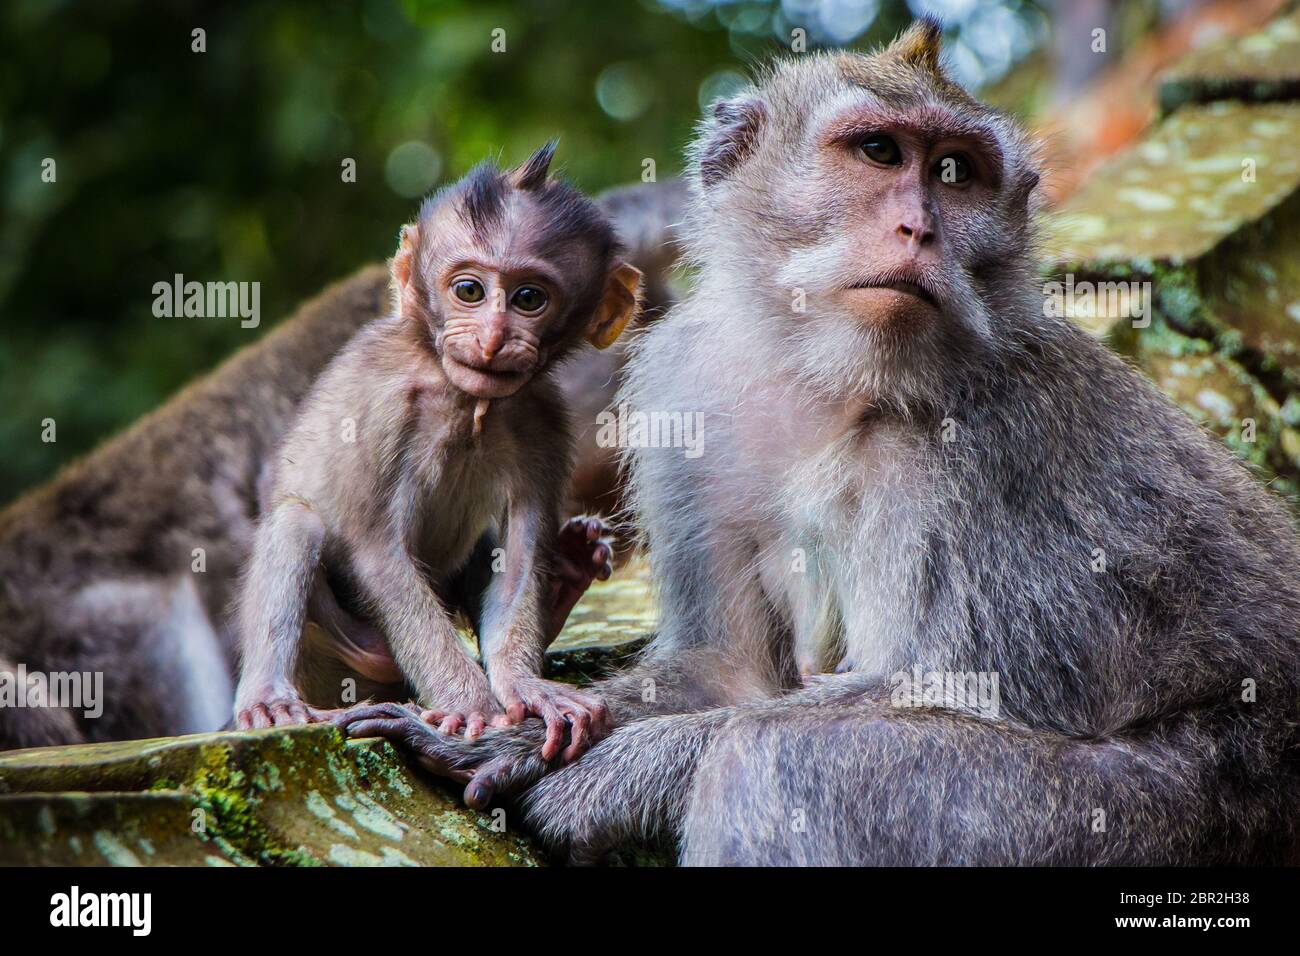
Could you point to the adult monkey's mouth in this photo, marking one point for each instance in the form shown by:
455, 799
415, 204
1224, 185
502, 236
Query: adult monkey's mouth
916, 288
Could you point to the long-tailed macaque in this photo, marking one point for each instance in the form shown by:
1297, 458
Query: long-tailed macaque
907, 457
430, 424
126, 563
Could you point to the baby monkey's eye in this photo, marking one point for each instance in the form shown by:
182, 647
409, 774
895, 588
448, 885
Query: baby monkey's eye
468, 290
882, 149
954, 168
529, 298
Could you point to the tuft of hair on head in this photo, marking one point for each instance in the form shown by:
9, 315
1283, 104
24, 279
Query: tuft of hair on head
483, 197
920, 45
532, 174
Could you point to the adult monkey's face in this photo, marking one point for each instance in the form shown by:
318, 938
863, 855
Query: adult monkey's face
868, 199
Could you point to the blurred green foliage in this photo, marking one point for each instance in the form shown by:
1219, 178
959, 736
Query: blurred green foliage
226, 165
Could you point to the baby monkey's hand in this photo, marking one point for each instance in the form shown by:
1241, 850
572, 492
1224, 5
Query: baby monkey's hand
561, 707
474, 714
268, 705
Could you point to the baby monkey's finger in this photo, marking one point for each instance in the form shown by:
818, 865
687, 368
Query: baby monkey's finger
451, 723
556, 726
579, 734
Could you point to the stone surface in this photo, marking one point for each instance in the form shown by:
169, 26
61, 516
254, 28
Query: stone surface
611, 622
1263, 66
299, 797
1215, 389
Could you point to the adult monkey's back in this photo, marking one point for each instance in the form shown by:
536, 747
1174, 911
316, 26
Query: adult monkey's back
99, 567
919, 470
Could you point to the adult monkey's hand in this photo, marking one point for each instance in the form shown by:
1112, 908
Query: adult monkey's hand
502, 762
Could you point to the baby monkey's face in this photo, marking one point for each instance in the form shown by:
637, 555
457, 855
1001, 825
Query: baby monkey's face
507, 272
496, 314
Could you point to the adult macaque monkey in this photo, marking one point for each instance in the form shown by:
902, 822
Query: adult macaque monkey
126, 562
926, 469
427, 426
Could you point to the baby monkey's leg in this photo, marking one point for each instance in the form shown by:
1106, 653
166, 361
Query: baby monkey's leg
424, 640
584, 553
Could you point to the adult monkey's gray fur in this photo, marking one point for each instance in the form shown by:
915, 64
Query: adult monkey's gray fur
1136, 592
98, 566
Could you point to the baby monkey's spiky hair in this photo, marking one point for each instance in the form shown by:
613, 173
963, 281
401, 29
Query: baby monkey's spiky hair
532, 174
483, 195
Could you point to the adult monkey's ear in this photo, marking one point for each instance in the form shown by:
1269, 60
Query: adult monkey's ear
617, 306
730, 137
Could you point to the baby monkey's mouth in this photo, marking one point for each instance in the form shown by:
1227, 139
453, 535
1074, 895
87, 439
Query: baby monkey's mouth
482, 381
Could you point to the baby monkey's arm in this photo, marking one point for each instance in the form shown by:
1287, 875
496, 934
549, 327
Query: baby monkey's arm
523, 604
424, 640
273, 605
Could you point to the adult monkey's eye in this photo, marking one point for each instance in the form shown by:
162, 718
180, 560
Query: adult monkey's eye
528, 298
882, 149
468, 290
954, 168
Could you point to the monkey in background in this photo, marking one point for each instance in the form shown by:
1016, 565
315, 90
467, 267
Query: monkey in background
126, 562
455, 420
967, 485
647, 218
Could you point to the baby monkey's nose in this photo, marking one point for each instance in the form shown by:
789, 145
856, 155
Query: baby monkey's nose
491, 336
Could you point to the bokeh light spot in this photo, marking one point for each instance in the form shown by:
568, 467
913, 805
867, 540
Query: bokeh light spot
624, 91
412, 169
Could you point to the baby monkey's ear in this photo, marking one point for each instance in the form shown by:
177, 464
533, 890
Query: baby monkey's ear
402, 266
404, 260
617, 306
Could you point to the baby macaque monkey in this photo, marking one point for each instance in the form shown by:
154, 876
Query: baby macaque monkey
433, 423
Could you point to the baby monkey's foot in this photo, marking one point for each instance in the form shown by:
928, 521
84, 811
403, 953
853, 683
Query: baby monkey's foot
584, 552
270, 707
562, 708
